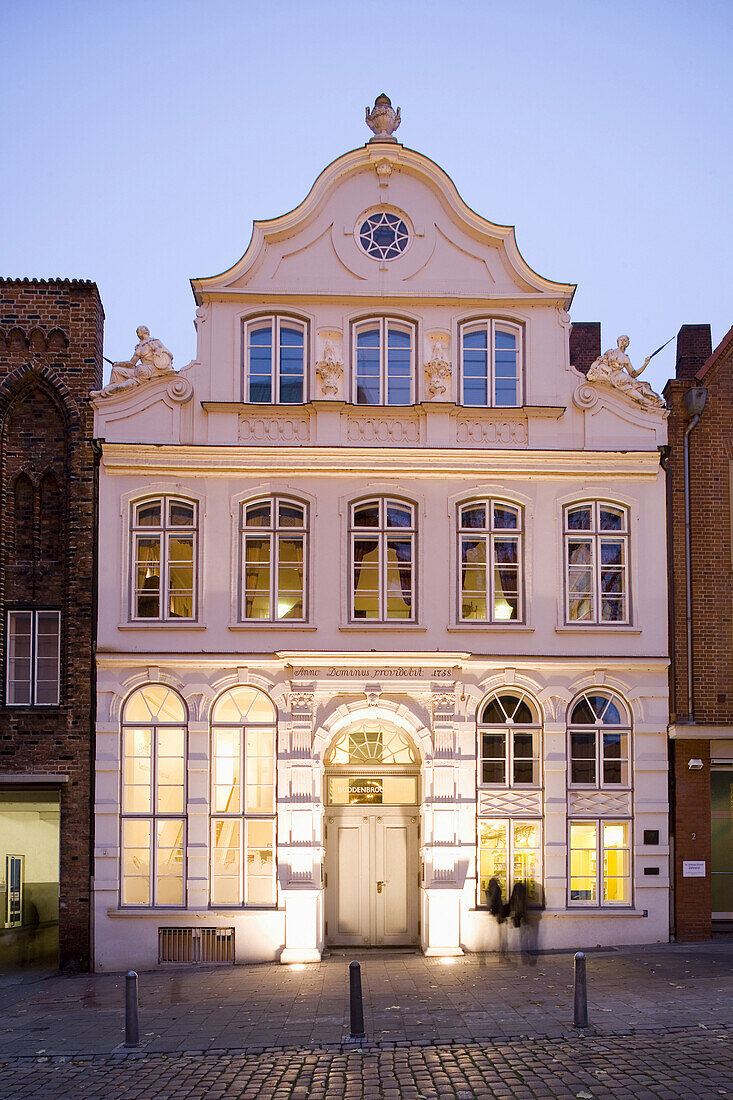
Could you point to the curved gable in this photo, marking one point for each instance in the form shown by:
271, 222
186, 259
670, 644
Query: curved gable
450, 251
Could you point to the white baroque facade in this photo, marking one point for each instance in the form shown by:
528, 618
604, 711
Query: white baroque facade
382, 603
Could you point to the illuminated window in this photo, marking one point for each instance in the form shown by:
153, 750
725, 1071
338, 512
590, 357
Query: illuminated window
490, 547
275, 361
599, 741
273, 551
509, 851
509, 737
243, 731
33, 659
371, 747
490, 364
382, 555
596, 563
383, 357
164, 559
153, 797
600, 863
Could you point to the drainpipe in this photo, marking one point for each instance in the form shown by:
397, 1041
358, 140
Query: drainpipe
695, 399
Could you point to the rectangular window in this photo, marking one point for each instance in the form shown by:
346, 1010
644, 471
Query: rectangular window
275, 361
153, 808
490, 548
273, 552
242, 822
510, 852
382, 553
596, 560
164, 559
490, 364
599, 753
383, 361
33, 648
600, 863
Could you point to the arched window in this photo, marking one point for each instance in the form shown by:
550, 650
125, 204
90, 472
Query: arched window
383, 362
275, 361
273, 549
490, 553
382, 555
599, 731
509, 736
596, 563
164, 559
490, 363
372, 765
243, 732
153, 797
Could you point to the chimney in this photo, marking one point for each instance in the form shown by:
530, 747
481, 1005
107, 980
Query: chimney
585, 344
694, 347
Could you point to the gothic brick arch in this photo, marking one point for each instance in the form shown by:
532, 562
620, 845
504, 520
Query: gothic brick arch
20, 382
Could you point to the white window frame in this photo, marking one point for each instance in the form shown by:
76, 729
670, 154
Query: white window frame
383, 324
489, 534
273, 532
164, 533
599, 903
381, 534
492, 325
509, 729
596, 537
509, 823
277, 321
33, 615
154, 815
598, 729
244, 816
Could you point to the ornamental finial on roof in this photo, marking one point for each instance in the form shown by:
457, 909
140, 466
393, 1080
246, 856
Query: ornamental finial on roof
382, 120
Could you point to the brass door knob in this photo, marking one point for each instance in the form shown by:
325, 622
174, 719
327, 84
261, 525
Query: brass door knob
380, 885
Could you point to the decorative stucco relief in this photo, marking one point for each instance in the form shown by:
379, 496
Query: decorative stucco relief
599, 802
374, 429
444, 704
330, 372
491, 432
301, 702
511, 802
614, 369
274, 429
438, 371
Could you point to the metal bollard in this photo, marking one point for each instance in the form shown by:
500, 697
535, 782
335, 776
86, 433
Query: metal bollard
132, 1028
580, 1006
355, 1002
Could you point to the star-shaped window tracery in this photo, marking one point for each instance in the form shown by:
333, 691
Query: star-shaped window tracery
384, 236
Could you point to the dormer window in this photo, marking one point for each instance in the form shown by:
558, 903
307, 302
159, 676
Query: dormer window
274, 361
490, 364
383, 362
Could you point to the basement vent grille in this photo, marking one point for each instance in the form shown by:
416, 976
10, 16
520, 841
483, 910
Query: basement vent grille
196, 945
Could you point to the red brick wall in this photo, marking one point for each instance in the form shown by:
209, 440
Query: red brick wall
50, 357
691, 795
585, 344
711, 452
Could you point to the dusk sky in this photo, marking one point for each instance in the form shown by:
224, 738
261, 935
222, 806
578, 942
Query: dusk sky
141, 140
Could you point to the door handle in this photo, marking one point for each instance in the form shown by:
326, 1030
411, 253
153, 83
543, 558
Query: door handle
380, 886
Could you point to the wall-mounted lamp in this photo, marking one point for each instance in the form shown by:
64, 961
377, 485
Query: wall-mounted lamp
695, 764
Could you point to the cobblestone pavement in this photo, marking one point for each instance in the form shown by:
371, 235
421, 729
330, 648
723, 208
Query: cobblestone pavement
668, 1065
484, 1025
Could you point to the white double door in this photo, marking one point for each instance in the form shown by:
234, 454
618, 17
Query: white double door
372, 884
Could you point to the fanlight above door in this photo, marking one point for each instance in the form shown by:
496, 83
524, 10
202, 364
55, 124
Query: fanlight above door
371, 747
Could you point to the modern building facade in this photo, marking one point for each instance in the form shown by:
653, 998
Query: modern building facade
700, 398
50, 357
379, 599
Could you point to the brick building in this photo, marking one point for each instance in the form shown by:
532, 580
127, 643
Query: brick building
50, 358
701, 616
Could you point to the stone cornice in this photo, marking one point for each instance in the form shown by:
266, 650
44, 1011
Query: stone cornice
360, 461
